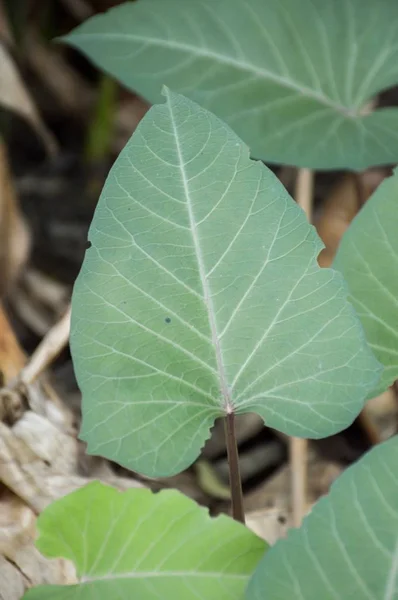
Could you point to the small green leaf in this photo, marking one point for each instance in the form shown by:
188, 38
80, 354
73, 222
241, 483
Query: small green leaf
201, 295
147, 546
347, 548
210, 482
368, 259
292, 78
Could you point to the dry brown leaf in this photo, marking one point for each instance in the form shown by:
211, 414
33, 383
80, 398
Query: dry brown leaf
40, 396
337, 213
40, 461
12, 358
270, 524
39, 453
12, 581
341, 207
382, 412
14, 234
14, 96
17, 537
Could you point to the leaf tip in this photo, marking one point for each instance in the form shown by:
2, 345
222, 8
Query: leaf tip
167, 93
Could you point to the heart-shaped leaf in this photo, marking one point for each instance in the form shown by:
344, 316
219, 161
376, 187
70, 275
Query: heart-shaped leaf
368, 259
347, 547
137, 544
201, 296
292, 78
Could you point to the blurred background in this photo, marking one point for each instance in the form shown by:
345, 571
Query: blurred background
62, 125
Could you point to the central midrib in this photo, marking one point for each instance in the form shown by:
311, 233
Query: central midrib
229, 60
224, 388
153, 574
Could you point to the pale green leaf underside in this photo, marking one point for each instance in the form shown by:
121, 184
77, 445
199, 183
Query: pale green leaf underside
137, 544
201, 295
347, 548
291, 78
368, 259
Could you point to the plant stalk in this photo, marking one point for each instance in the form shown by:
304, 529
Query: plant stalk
235, 481
298, 448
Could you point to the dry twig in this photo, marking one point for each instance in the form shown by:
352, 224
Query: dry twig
50, 346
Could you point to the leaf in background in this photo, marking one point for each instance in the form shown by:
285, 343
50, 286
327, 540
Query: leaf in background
347, 547
201, 295
368, 259
137, 544
210, 482
291, 78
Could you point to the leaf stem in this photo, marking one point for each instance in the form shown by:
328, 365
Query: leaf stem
235, 481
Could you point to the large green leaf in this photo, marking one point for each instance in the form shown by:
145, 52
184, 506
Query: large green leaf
145, 546
347, 548
201, 295
290, 77
368, 259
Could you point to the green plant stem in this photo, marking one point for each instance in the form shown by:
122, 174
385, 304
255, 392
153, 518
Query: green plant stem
235, 481
100, 131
